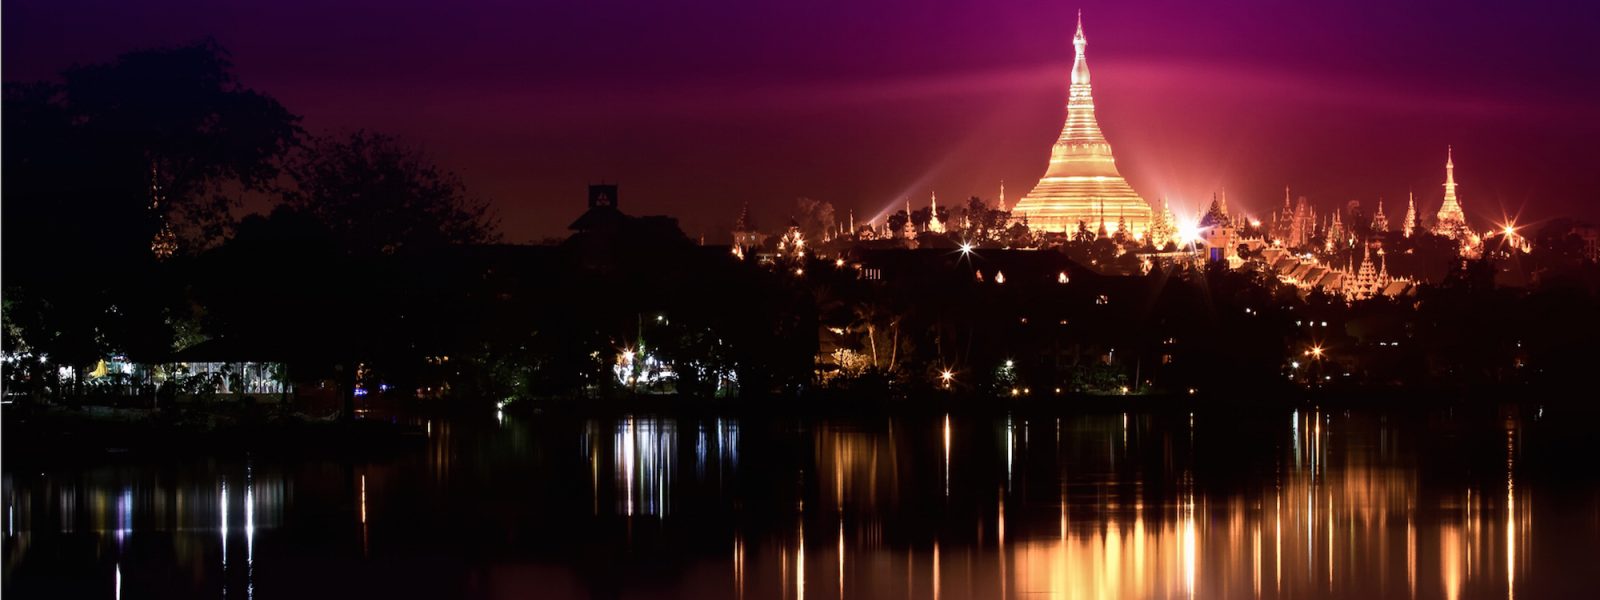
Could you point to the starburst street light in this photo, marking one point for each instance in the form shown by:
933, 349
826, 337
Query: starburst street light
946, 376
966, 248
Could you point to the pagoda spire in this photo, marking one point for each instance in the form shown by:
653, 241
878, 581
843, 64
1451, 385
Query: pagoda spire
1002, 207
1082, 175
1409, 225
1451, 221
1080, 67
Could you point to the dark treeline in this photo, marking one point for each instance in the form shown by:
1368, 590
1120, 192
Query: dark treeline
377, 270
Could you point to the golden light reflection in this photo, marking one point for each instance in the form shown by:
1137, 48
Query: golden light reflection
1451, 560
800, 563
841, 556
738, 566
1330, 525
947, 455
1188, 547
855, 465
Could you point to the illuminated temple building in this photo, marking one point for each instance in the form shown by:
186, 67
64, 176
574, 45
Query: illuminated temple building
1082, 183
1451, 222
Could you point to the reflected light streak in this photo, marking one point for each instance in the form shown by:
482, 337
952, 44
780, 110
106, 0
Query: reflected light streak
1188, 546
249, 533
947, 455
224, 525
1511, 518
366, 546
124, 515
1011, 441
644, 452
800, 564
841, 556
1001, 526
1255, 538
1450, 560
738, 566
1411, 555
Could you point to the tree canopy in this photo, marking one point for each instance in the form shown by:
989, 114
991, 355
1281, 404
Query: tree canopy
380, 196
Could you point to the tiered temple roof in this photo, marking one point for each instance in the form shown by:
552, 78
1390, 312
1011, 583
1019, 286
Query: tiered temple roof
1082, 182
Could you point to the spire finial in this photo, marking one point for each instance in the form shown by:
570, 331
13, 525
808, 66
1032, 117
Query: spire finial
1078, 43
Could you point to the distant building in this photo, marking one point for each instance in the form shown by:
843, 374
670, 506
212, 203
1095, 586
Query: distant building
1304, 225
1335, 237
1380, 223
1409, 225
1217, 231
605, 237
1451, 222
1082, 179
1370, 280
746, 238
934, 224
1280, 225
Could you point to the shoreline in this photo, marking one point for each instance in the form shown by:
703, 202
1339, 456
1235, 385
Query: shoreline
51, 433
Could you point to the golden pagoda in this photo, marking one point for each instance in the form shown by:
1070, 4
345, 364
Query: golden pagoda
1082, 182
1450, 222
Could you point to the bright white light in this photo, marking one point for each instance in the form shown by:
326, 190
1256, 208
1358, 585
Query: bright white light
966, 247
1188, 233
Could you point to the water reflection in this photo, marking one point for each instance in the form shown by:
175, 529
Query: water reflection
1306, 503
644, 454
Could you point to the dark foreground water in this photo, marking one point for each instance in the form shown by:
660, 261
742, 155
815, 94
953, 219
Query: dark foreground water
1490, 502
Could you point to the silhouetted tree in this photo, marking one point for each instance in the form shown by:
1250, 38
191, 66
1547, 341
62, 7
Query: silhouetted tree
80, 156
379, 196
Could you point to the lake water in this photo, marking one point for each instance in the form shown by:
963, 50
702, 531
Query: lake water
1220, 503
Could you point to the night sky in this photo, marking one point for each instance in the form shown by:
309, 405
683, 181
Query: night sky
696, 106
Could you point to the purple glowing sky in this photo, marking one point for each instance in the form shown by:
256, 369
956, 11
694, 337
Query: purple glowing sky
697, 106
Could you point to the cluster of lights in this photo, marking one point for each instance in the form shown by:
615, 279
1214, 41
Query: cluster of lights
639, 367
